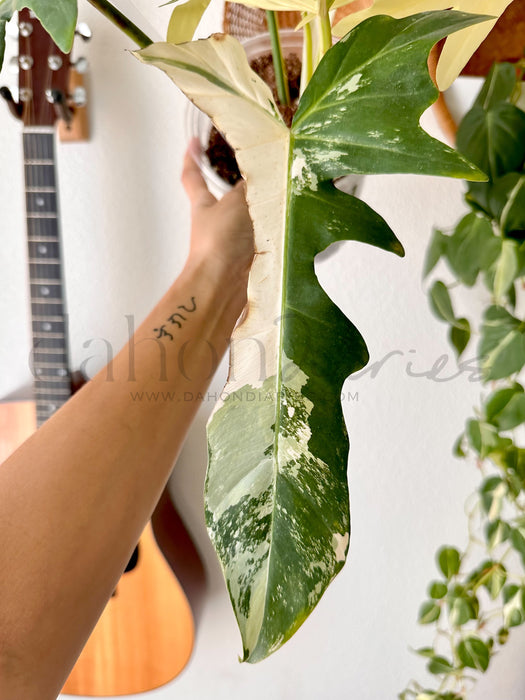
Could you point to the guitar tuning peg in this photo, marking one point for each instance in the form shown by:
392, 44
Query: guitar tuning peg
83, 31
79, 96
81, 65
15, 107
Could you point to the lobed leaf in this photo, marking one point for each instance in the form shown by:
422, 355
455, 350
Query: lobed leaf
457, 49
276, 488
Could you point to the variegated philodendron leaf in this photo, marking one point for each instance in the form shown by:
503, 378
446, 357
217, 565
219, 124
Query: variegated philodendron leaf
276, 489
58, 18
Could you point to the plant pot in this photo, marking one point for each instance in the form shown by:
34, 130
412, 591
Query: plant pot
198, 124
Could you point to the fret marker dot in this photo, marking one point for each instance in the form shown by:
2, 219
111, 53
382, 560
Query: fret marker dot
42, 249
62, 372
44, 291
46, 326
39, 371
52, 407
40, 201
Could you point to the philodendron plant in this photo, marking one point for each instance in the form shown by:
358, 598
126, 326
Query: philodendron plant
276, 489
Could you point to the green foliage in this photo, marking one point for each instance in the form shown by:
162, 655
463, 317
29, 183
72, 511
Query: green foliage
479, 593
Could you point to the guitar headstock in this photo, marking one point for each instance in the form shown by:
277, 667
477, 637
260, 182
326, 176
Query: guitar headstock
50, 85
43, 76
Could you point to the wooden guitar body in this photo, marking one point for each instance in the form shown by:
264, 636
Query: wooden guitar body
145, 635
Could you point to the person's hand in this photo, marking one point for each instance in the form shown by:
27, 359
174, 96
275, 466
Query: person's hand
221, 229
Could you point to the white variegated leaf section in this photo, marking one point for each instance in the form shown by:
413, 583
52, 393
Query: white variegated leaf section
237, 99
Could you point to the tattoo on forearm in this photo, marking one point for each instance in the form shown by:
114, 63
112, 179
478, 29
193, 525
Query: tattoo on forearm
173, 320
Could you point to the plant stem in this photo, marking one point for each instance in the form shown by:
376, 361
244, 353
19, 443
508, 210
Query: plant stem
307, 67
281, 78
122, 22
326, 28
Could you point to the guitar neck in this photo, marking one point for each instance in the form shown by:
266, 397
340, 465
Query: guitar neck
52, 385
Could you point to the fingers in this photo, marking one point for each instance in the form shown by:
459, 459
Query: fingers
192, 179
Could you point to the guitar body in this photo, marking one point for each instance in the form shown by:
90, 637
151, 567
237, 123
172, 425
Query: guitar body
145, 635
144, 638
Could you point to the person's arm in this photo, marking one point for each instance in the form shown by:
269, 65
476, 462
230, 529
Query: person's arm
75, 497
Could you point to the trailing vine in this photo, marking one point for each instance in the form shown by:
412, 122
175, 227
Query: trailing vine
479, 594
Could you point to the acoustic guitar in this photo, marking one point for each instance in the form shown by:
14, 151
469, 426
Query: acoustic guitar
145, 635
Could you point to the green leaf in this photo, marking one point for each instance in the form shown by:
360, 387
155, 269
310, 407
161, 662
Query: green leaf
429, 612
276, 488
427, 652
492, 575
472, 247
498, 86
513, 213
502, 346
439, 665
499, 400
493, 139
2, 41
517, 538
485, 439
185, 19
506, 268
514, 605
59, 19
459, 335
437, 590
474, 653
492, 492
503, 635
436, 249
505, 408
440, 302
458, 449
513, 414
496, 532
449, 560
460, 610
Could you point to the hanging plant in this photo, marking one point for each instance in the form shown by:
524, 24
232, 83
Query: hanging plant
480, 593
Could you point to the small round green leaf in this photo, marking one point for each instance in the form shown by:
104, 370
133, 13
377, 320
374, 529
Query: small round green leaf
437, 590
449, 561
439, 665
474, 653
440, 302
429, 612
496, 532
459, 335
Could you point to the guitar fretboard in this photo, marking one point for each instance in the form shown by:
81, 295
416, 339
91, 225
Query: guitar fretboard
52, 384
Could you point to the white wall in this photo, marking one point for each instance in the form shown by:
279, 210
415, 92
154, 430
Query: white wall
125, 229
